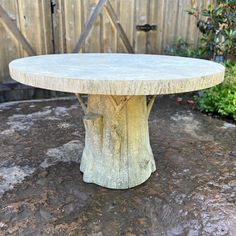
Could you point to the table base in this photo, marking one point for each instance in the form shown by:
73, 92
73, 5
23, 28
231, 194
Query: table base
117, 151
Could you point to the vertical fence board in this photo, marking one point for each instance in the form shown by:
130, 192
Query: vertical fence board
109, 32
159, 12
109, 36
31, 14
33, 19
192, 33
126, 19
120, 30
141, 19
152, 36
119, 45
169, 23
59, 31
9, 48
92, 43
72, 23
182, 26
46, 32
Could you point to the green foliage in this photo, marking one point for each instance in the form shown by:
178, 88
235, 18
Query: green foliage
183, 49
221, 99
218, 39
218, 28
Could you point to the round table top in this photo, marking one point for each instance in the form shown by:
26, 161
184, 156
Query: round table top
117, 74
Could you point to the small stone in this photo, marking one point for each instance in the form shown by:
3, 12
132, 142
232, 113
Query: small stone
45, 214
41, 181
232, 154
1, 179
228, 126
2, 225
43, 174
179, 99
190, 102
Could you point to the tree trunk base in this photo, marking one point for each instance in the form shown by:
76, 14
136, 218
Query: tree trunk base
117, 151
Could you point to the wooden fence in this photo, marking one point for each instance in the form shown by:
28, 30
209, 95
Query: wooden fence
55, 26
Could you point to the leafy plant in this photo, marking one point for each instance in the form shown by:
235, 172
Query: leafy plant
218, 28
221, 99
184, 49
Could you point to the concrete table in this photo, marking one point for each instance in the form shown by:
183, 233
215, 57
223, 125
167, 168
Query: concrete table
117, 152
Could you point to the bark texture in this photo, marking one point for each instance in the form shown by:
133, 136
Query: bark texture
117, 151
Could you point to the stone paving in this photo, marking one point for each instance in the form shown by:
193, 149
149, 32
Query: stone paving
192, 193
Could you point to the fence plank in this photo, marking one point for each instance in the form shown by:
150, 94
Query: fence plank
89, 25
59, 28
46, 37
72, 14
141, 19
172, 19
33, 17
120, 30
108, 34
13, 29
92, 42
152, 36
126, 18
9, 47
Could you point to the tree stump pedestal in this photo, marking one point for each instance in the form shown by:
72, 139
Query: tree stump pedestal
117, 151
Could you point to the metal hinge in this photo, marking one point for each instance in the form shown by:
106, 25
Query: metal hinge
146, 27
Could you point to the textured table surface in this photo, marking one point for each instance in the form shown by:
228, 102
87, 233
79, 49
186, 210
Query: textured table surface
117, 74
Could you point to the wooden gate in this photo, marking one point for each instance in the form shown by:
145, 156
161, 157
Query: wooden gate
63, 26
25, 29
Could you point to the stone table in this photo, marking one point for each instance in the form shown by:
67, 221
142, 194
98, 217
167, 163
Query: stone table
117, 152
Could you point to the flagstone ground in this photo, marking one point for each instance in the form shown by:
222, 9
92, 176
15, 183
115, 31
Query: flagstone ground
193, 191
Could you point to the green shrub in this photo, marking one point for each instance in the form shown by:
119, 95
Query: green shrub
221, 99
183, 49
218, 28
